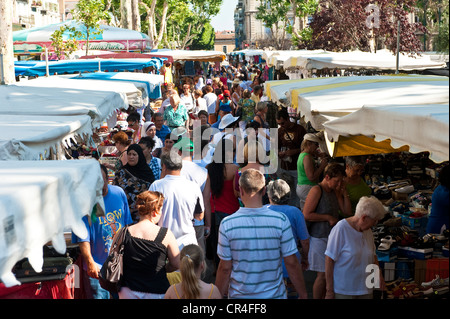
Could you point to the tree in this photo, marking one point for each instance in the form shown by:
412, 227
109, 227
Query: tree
65, 47
6, 41
205, 40
344, 25
273, 13
434, 14
195, 16
284, 17
90, 13
156, 12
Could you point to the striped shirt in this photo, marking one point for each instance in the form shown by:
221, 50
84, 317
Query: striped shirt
256, 240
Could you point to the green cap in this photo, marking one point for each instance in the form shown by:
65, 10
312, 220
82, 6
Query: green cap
185, 144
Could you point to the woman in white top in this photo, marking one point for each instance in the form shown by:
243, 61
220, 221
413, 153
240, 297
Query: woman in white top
149, 129
350, 261
199, 103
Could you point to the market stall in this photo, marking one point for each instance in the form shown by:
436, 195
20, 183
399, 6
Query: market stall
382, 60
32, 137
35, 40
39, 201
151, 83
249, 55
325, 99
28, 101
422, 128
128, 91
83, 65
191, 55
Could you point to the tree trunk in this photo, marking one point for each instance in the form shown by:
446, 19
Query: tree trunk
135, 16
125, 13
6, 42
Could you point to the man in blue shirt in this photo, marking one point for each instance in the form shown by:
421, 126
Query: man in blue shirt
161, 129
95, 247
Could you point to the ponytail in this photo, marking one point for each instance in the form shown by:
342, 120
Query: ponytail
192, 257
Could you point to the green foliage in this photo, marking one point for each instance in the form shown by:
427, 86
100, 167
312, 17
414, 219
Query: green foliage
64, 47
205, 40
90, 13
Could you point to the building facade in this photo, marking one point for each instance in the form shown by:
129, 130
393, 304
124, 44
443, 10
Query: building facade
225, 41
251, 32
35, 13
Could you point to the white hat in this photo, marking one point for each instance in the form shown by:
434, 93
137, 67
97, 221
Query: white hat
227, 120
312, 137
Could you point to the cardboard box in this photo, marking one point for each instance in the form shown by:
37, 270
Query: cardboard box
387, 256
415, 253
415, 223
420, 270
399, 196
389, 271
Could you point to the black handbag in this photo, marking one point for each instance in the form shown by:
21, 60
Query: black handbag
112, 269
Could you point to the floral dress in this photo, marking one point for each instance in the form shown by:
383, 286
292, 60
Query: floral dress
132, 186
248, 109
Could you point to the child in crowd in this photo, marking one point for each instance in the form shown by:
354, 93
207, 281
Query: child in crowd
192, 266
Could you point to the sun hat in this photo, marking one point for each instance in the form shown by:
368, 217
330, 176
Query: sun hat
312, 138
227, 120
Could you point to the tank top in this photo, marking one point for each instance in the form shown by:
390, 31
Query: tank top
144, 264
302, 178
226, 203
178, 296
328, 205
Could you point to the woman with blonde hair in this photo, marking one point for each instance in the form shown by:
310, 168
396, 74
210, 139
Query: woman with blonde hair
192, 266
147, 247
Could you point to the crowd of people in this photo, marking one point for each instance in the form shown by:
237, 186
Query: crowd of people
192, 182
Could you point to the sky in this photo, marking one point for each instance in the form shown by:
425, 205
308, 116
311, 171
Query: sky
225, 19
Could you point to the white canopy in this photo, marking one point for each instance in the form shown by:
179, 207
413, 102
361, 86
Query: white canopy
326, 99
38, 201
27, 137
421, 127
128, 91
280, 58
99, 105
248, 52
193, 55
382, 60
149, 84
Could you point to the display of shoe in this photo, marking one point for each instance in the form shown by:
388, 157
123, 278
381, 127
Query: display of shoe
393, 222
386, 243
435, 283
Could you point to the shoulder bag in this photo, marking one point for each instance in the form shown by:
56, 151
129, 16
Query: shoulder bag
112, 269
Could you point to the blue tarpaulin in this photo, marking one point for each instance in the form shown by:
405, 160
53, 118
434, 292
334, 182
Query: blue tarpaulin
75, 66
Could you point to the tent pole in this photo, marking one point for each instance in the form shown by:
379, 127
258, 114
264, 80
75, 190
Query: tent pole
46, 62
398, 47
1, 69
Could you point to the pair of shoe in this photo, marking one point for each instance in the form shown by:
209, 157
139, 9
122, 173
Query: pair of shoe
386, 243
437, 282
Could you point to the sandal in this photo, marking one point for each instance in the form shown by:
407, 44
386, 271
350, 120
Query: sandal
386, 243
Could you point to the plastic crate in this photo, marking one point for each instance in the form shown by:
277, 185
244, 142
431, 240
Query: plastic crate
437, 266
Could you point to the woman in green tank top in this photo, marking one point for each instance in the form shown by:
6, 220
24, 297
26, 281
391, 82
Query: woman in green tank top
308, 172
